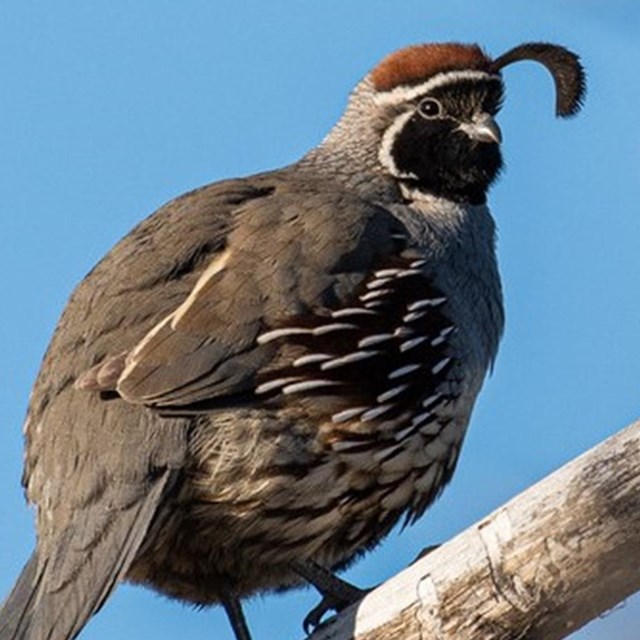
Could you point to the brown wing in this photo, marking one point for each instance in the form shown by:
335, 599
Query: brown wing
145, 276
98, 470
298, 251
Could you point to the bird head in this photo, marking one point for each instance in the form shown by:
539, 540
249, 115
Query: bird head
426, 115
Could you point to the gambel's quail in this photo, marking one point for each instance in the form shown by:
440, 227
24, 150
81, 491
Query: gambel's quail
266, 375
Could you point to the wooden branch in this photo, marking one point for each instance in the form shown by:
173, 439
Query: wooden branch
538, 568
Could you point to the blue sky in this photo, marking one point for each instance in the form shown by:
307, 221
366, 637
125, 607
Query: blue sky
110, 108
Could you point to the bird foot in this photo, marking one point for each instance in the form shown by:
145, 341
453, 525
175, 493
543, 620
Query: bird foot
331, 602
337, 594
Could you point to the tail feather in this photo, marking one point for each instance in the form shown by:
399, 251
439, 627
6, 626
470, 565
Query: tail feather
17, 610
42, 606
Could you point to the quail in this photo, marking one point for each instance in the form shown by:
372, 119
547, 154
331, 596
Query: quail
257, 383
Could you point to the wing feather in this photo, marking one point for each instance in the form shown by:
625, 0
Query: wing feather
283, 259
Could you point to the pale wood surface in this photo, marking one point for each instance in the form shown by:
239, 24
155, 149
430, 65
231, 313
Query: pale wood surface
538, 568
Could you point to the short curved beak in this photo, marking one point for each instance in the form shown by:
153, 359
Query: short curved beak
483, 128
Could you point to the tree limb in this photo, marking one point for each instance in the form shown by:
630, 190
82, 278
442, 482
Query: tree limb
538, 568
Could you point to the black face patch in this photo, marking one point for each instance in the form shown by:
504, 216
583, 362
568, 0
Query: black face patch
443, 160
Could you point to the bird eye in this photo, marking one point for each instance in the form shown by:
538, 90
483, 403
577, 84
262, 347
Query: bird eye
430, 108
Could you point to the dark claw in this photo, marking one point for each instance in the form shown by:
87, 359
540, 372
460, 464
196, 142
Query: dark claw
336, 593
313, 619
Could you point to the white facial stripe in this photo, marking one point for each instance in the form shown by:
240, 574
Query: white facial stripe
389, 137
403, 94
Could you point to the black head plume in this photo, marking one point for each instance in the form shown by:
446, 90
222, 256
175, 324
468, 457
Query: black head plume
564, 66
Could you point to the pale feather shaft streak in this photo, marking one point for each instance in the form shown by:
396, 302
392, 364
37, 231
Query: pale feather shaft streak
308, 385
386, 273
403, 371
352, 311
392, 393
413, 316
375, 294
378, 282
407, 345
350, 358
442, 336
416, 421
405, 273
347, 414
440, 366
372, 414
432, 400
285, 332
376, 338
426, 302
311, 358
335, 326
404, 433
266, 387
